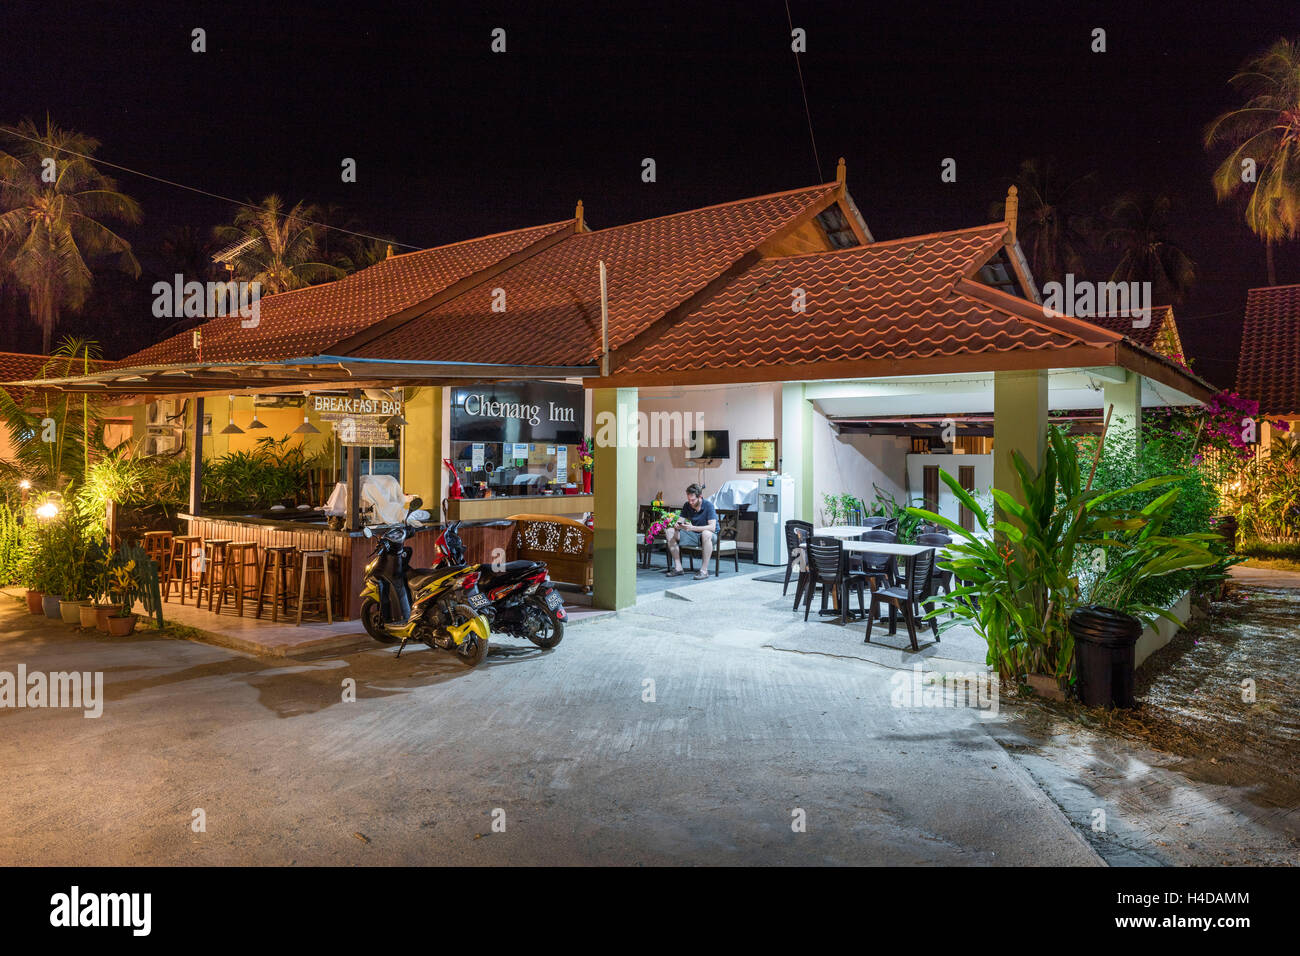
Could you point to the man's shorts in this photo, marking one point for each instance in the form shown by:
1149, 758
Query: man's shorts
689, 539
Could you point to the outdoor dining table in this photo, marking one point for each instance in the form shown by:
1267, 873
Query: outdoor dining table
842, 531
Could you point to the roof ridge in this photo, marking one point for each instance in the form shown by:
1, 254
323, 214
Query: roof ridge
1270, 288
461, 242
1030, 311
872, 246
717, 205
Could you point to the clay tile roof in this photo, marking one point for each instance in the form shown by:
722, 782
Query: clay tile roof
1269, 367
24, 366
552, 299
1160, 335
901, 299
308, 321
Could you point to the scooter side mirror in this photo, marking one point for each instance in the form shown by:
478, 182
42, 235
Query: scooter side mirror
415, 504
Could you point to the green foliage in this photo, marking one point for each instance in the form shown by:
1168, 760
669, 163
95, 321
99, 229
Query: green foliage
1017, 572
1168, 449
133, 576
1267, 492
12, 546
273, 471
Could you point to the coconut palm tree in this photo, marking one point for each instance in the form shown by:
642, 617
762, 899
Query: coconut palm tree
1138, 228
1263, 163
51, 219
279, 250
1053, 226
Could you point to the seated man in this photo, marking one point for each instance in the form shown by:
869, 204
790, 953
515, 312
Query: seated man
697, 528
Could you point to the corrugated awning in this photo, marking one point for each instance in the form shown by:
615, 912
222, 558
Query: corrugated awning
319, 371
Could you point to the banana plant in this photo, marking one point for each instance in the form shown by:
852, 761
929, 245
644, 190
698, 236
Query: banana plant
1017, 573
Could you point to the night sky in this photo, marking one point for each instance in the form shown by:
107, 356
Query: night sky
453, 141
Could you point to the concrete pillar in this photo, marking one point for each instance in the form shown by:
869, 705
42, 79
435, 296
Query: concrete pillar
422, 444
1019, 424
614, 488
1126, 419
797, 446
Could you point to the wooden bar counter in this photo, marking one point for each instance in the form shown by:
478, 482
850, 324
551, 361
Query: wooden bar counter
503, 506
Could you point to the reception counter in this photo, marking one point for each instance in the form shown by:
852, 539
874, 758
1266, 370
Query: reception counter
503, 506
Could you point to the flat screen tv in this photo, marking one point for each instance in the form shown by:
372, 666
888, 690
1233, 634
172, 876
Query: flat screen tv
709, 444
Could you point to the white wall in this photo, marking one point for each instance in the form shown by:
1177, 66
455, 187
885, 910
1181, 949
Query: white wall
948, 506
852, 464
746, 411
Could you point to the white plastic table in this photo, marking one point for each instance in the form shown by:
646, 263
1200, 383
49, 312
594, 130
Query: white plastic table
842, 531
886, 547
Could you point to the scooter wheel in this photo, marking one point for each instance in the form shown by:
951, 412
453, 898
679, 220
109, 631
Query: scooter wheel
372, 618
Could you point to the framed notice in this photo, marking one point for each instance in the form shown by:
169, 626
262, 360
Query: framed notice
757, 454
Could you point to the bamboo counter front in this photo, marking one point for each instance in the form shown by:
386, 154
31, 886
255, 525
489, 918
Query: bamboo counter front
503, 506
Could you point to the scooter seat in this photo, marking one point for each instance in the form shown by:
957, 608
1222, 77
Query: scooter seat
512, 569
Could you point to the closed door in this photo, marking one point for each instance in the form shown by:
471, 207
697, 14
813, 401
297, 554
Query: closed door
930, 487
966, 478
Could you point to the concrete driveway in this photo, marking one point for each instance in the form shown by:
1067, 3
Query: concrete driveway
669, 734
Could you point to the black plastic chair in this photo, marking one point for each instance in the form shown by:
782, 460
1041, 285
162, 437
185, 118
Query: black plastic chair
827, 566
942, 575
797, 533
907, 597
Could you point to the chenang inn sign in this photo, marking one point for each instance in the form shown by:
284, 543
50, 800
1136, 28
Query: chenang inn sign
480, 406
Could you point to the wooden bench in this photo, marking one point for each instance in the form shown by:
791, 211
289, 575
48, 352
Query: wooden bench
563, 543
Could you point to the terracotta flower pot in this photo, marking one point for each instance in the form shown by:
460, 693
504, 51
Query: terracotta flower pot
34, 602
70, 611
50, 604
87, 612
102, 611
121, 626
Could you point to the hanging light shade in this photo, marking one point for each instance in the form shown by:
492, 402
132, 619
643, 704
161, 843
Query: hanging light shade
231, 428
306, 428
255, 423
396, 421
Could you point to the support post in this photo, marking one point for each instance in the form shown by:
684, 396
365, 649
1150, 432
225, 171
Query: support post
422, 447
354, 482
1126, 421
1019, 424
797, 446
614, 487
196, 459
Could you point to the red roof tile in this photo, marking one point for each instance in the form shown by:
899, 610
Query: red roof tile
552, 299
308, 321
1160, 335
1269, 367
24, 366
906, 298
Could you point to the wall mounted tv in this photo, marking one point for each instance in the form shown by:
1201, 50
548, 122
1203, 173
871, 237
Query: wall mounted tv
709, 444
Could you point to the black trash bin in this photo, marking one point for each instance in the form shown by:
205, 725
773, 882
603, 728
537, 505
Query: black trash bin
1104, 640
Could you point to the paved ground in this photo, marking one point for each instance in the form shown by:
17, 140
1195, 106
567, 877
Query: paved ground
738, 736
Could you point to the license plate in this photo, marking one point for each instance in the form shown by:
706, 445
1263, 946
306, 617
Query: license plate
554, 601
477, 601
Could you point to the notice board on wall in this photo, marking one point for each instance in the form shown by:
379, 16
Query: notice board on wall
757, 454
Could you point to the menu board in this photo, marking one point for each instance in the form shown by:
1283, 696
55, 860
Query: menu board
758, 454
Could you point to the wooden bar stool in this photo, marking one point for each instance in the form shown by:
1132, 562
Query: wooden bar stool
158, 547
240, 577
279, 561
213, 572
315, 562
180, 570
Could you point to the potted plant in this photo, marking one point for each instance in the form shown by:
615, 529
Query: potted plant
104, 605
587, 462
121, 622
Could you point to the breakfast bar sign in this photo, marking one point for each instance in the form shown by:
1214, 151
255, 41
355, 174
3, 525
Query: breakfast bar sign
338, 407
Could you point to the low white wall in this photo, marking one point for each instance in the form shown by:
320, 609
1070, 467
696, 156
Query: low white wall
1163, 631
948, 506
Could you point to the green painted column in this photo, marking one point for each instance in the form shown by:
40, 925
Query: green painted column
797, 446
1126, 419
1019, 423
422, 471
614, 477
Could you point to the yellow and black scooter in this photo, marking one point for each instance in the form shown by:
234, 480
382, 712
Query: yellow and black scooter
439, 606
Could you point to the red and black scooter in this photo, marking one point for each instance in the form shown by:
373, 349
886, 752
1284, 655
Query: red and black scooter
522, 601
